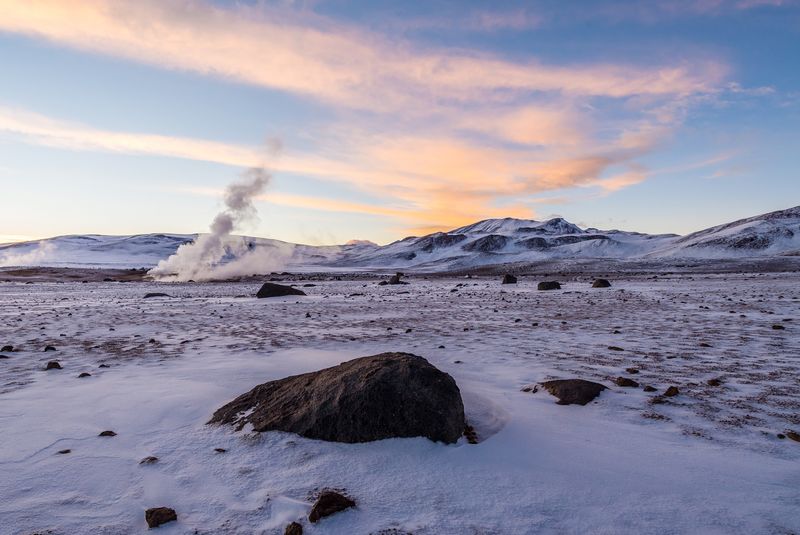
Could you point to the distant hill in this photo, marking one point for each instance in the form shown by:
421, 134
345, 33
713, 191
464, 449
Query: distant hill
487, 242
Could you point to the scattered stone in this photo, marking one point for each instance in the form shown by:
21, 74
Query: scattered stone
269, 289
155, 294
672, 391
470, 434
104, 366
3, 356
293, 529
509, 279
625, 381
150, 459
601, 283
53, 365
781, 436
64, 452
370, 398
649, 388
309, 285
778, 327
548, 285
714, 382
573, 391
328, 503
49, 348
395, 279
793, 435
7, 349
107, 434
220, 450
84, 374
159, 515
705, 344
632, 370
615, 348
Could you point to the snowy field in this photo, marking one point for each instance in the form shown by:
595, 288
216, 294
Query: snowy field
708, 460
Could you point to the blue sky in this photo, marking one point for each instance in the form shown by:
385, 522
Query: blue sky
379, 121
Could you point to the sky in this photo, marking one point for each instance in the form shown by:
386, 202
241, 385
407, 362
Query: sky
379, 120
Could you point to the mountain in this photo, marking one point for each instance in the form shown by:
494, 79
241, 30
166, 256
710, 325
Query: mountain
487, 242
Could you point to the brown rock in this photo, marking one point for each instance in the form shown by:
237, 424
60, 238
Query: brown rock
573, 391
624, 381
159, 515
369, 398
548, 285
672, 391
509, 279
328, 503
293, 529
649, 388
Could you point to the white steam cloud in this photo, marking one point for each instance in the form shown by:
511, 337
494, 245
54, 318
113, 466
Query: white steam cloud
219, 255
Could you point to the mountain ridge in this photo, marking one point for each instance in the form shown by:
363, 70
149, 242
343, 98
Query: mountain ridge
485, 242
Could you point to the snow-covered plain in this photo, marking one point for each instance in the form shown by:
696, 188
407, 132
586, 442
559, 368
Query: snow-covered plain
706, 461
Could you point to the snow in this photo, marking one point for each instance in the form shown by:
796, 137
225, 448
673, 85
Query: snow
706, 461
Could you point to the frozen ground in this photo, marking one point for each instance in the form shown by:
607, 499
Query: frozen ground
706, 461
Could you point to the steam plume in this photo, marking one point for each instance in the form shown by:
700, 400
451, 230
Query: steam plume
218, 254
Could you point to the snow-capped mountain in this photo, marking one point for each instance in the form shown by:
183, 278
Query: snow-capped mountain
487, 242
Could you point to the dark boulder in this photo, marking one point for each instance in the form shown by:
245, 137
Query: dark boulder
7, 349
159, 515
548, 285
53, 365
84, 374
328, 503
601, 283
269, 289
395, 279
672, 391
108, 433
369, 398
49, 348
509, 279
624, 381
573, 391
293, 529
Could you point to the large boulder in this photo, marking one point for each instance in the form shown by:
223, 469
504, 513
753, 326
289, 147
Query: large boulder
601, 283
509, 279
369, 398
548, 285
573, 391
269, 289
329, 502
159, 515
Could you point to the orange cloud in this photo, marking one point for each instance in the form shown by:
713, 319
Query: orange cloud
444, 137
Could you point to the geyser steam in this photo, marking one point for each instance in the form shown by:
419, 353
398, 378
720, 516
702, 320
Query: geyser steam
203, 258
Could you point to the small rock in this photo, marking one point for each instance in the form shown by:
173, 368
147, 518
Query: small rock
220, 450
107, 434
624, 381
793, 435
601, 283
509, 279
159, 515
705, 344
672, 392
64, 452
53, 365
548, 285
632, 370
649, 388
104, 366
7, 349
269, 289
714, 382
49, 348
328, 503
84, 374
573, 391
155, 294
615, 348
149, 460
293, 529
778, 327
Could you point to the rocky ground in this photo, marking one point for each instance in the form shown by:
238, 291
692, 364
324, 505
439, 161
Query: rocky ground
718, 456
